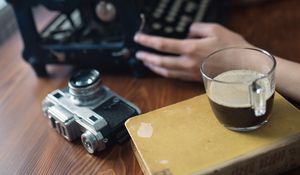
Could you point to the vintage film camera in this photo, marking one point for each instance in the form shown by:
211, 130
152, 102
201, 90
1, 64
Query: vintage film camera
99, 33
89, 110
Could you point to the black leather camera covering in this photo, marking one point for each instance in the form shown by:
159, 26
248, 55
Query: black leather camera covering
115, 112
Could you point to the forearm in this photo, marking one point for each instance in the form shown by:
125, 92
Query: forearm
288, 78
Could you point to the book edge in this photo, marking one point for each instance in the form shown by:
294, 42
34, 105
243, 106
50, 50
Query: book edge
139, 157
243, 162
279, 145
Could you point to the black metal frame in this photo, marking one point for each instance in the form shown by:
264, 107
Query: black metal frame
117, 54
39, 52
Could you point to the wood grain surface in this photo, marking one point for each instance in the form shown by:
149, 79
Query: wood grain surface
29, 146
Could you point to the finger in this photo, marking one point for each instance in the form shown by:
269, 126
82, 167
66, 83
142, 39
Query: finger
169, 73
170, 62
201, 29
162, 44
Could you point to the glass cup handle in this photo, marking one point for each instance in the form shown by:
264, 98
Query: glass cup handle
258, 100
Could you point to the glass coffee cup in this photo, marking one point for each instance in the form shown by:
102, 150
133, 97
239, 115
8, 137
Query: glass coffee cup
240, 85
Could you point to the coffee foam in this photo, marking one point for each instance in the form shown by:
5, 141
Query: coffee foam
236, 94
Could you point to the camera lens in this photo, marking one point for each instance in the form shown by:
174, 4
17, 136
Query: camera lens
84, 87
84, 78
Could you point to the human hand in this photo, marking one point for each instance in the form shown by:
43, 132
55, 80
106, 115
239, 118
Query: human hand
204, 38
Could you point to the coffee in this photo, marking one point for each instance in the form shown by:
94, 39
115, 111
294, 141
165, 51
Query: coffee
231, 101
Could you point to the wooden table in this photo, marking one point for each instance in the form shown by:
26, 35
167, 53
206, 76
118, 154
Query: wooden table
29, 146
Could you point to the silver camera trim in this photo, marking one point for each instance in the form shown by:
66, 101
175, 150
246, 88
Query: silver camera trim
66, 116
79, 112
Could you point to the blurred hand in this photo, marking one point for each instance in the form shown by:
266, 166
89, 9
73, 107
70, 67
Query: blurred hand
204, 38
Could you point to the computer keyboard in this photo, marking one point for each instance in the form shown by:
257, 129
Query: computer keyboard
172, 18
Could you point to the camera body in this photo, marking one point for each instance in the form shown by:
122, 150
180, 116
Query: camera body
89, 110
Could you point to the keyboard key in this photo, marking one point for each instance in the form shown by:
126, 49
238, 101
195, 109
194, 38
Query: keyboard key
156, 26
190, 7
168, 29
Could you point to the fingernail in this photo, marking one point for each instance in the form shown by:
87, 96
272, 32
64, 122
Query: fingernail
139, 55
136, 37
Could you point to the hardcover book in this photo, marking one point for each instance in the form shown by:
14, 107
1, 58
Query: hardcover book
186, 138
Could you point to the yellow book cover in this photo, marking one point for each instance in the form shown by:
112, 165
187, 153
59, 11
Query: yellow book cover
186, 138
